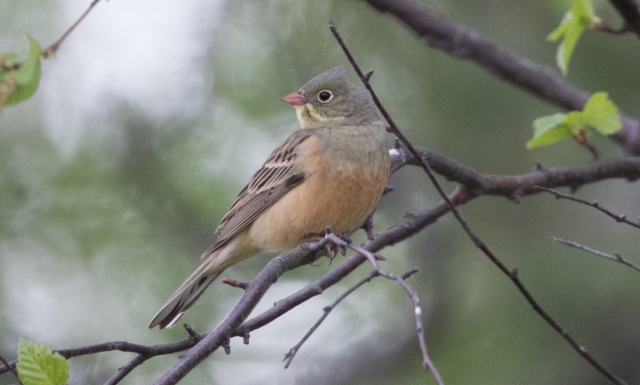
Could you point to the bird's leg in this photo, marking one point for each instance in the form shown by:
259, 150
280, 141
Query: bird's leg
331, 249
367, 226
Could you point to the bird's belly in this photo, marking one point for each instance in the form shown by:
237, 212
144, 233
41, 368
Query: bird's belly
340, 199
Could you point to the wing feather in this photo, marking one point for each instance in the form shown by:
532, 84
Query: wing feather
277, 176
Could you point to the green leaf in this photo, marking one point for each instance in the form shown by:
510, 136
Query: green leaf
27, 77
38, 365
573, 24
575, 121
583, 11
548, 130
559, 31
601, 114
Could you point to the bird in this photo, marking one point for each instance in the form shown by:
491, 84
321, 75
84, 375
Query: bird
331, 172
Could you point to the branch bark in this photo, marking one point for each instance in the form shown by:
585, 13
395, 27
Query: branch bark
630, 12
463, 42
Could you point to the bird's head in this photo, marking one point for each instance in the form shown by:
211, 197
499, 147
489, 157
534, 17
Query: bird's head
330, 100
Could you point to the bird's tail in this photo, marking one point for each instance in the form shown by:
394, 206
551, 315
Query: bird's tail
185, 296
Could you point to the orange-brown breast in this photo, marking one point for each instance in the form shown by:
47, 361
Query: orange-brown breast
337, 193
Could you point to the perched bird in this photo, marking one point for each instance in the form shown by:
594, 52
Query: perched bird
330, 172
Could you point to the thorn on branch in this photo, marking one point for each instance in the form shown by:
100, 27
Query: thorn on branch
235, 283
409, 272
600, 25
367, 76
514, 272
193, 335
245, 338
226, 345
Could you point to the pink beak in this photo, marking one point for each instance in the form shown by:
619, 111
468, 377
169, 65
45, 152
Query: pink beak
295, 99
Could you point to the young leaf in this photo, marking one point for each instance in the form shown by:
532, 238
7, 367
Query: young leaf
601, 114
27, 76
37, 365
577, 18
548, 130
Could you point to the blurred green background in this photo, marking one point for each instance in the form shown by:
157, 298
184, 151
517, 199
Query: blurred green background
154, 115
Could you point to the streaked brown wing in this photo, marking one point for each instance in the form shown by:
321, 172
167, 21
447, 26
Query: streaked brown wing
277, 176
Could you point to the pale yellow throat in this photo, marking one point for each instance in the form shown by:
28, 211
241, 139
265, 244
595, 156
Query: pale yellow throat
307, 115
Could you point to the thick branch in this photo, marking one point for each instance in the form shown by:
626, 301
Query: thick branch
630, 12
466, 43
257, 288
475, 185
516, 186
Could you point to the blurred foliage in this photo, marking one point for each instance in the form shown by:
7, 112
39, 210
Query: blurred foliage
106, 201
19, 74
573, 24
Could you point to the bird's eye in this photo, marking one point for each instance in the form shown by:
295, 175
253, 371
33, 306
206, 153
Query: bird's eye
325, 96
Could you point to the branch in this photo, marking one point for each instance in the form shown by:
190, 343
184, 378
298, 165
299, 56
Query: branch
511, 274
390, 236
123, 371
53, 48
475, 185
615, 257
516, 186
630, 12
303, 255
288, 357
463, 42
619, 218
417, 309
10, 367
122, 346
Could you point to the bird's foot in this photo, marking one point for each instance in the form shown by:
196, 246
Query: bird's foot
331, 250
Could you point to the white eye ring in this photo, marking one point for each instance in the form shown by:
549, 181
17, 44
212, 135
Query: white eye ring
324, 96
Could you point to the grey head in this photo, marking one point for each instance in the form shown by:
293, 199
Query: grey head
329, 99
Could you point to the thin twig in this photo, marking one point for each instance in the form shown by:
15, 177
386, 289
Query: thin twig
9, 367
618, 217
191, 332
277, 266
53, 48
476, 185
417, 310
511, 274
288, 357
613, 257
464, 43
126, 369
602, 26
390, 236
235, 283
